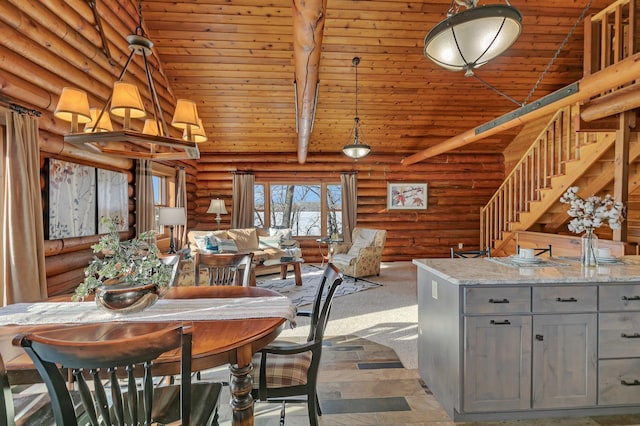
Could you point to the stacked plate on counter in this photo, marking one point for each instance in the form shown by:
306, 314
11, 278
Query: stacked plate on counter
608, 259
526, 260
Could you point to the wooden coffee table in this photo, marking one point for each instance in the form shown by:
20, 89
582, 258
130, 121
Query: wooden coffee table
297, 272
296, 262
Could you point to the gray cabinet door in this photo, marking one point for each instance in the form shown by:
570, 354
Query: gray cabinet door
564, 360
497, 363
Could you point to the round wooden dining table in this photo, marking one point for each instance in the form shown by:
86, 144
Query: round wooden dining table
215, 342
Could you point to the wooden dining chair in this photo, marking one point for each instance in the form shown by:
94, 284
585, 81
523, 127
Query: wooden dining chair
120, 354
465, 254
225, 269
285, 370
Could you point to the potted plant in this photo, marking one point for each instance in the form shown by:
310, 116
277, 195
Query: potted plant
124, 275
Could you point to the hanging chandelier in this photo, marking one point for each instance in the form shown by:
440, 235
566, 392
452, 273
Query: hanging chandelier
125, 102
356, 149
471, 38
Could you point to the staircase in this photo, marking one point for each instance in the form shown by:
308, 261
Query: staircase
558, 157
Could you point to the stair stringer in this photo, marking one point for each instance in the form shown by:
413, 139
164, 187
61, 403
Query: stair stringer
589, 155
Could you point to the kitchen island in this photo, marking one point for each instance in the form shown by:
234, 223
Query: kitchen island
502, 341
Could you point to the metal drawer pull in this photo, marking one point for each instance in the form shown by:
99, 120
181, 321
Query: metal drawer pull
630, 336
505, 322
539, 337
634, 383
571, 299
498, 300
628, 299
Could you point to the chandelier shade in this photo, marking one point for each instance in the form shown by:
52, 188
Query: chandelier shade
73, 106
471, 38
125, 102
104, 125
197, 135
356, 149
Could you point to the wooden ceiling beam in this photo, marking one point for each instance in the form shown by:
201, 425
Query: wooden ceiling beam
591, 85
308, 29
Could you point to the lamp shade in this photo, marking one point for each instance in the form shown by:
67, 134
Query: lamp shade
473, 37
103, 126
126, 100
73, 104
150, 127
217, 206
186, 114
356, 150
172, 216
197, 135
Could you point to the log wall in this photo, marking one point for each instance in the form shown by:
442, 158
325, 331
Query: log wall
458, 185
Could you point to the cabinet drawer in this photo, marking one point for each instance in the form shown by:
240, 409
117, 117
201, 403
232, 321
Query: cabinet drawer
565, 299
619, 381
620, 297
619, 335
495, 300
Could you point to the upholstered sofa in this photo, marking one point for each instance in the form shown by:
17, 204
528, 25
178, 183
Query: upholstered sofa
362, 257
267, 245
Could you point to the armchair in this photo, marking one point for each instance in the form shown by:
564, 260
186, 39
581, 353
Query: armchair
362, 257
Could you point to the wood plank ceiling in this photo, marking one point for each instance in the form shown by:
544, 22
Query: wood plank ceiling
235, 58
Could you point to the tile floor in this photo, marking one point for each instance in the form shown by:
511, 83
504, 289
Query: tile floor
364, 383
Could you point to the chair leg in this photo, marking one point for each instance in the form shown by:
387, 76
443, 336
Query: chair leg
282, 413
318, 406
313, 405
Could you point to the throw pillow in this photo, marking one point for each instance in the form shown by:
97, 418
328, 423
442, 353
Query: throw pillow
227, 246
282, 233
246, 239
201, 241
269, 242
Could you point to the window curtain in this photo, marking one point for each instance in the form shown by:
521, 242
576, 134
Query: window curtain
23, 270
181, 201
145, 209
349, 183
242, 203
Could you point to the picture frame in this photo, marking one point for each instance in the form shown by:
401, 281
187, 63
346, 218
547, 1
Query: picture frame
406, 196
71, 200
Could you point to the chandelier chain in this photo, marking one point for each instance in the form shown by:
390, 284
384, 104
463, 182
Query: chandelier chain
139, 29
555, 56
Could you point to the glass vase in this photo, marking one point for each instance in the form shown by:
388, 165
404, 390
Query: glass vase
589, 246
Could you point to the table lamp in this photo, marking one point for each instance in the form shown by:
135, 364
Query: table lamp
217, 207
172, 216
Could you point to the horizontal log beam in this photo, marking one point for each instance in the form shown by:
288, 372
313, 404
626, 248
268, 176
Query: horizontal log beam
591, 85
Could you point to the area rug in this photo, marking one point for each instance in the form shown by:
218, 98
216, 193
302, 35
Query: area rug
311, 277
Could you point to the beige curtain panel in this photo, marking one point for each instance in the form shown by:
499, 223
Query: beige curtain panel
145, 209
242, 203
349, 183
22, 250
181, 201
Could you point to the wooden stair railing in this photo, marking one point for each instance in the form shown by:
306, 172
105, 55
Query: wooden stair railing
555, 147
610, 35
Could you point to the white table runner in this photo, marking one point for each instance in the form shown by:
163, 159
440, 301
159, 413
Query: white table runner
163, 310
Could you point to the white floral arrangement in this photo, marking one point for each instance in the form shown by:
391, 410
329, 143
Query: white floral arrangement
592, 212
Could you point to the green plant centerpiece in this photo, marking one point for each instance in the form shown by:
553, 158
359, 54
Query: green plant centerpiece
125, 276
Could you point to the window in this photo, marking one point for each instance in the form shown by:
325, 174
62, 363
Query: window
164, 190
309, 209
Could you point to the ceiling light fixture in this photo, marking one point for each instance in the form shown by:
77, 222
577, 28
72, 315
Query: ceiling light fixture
356, 149
471, 38
154, 141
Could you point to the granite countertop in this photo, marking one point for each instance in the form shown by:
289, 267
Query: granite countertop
554, 271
